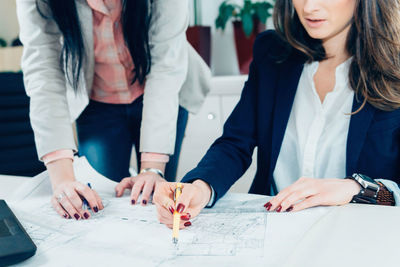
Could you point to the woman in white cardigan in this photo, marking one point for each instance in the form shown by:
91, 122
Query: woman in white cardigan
127, 77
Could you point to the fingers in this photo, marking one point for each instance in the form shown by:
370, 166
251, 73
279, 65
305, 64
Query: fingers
69, 208
147, 190
101, 206
183, 201
182, 225
59, 209
89, 195
165, 208
308, 203
168, 204
125, 183
295, 197
136, 189
163, 196
302, 188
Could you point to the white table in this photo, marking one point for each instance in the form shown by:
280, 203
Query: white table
352, 235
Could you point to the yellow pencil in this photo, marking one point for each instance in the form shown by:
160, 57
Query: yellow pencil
177, 215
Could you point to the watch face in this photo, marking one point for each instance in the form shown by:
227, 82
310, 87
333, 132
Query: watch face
366, 182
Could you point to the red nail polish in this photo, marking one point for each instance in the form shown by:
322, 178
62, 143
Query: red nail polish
289, 209
171, 209
279, 209
65, 216
76, 216
180, 208
185, 217
187, 224
267, 204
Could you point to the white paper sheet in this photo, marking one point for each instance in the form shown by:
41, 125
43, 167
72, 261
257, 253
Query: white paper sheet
233, 233
133, 232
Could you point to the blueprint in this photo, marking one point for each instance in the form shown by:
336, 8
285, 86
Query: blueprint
232, 228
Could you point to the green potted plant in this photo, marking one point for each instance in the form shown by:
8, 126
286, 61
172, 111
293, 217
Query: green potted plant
200, 36
248, 21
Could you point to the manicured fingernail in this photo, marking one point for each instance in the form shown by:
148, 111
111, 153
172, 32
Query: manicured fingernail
180, 208
76, 216
279, 209
96, 209
186, 217
144, 201
187, 224
86, 215
268, 205
171, 209
133, 202
65, 216
289, 209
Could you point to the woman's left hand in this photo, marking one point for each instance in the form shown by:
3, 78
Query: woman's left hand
142, 183
310, 192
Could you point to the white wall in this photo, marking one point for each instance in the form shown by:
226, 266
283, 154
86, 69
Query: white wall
8, 20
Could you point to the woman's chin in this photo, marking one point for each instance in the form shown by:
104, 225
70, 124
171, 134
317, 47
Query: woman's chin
315, 34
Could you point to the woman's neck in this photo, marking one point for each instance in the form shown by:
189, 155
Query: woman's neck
336, 49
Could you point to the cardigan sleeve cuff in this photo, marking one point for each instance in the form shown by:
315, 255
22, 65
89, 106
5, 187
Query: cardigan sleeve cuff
59, 154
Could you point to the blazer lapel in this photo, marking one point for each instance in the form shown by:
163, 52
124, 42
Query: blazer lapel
359, 124
86, 21
289, 77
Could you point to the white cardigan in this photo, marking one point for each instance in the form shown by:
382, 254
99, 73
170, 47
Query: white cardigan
178, 76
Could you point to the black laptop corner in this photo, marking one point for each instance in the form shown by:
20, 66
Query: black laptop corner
15, 243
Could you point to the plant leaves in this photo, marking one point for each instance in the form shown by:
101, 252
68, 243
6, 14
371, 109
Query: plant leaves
249, 11
225, 14
247, 21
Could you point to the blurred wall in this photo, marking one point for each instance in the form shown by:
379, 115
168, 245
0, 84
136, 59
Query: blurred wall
8, 20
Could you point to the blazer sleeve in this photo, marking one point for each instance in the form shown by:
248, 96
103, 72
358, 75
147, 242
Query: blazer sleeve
231, 154
44, 79
169, 51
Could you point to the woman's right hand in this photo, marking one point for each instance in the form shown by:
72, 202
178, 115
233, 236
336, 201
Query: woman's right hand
68, 194
193, 199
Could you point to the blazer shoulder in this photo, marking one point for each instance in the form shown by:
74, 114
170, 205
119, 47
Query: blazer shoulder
269, 46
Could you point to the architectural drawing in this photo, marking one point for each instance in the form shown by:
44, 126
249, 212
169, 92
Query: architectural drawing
224, 234
232, 228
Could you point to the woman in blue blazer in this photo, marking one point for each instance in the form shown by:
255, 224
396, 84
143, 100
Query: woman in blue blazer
321, 104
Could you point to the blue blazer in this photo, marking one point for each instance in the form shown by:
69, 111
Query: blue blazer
260, 119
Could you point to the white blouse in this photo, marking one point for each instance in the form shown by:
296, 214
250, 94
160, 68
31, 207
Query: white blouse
314, 144
315, 141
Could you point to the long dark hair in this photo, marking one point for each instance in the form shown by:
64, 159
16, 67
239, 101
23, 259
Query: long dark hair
373, 41
135, 19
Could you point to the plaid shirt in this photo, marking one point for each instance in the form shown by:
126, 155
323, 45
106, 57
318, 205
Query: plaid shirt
113, 61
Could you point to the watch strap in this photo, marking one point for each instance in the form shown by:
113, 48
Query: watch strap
385, 197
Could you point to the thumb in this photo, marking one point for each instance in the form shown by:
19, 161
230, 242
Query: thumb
183, 202
163, 196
